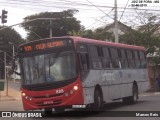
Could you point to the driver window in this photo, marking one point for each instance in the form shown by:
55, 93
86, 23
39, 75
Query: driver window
84, 61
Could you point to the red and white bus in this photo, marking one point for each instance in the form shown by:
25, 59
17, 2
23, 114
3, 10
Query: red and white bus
74, 72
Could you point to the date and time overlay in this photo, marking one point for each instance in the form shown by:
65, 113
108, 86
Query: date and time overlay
142, 3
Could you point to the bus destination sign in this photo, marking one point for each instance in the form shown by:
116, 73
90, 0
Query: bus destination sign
41, 46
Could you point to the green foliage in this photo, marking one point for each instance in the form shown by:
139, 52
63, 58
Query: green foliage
98, 34
63, 25
141, 39
89, 34
101, 34
9, 36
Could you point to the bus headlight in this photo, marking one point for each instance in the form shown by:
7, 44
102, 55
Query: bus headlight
75, 87
23, 94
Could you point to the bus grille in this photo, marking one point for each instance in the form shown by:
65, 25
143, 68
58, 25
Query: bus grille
55, 95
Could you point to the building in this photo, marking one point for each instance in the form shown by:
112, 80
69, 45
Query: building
110, 28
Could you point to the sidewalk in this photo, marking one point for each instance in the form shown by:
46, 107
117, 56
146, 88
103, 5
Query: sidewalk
13, 101
13, 93
149, 94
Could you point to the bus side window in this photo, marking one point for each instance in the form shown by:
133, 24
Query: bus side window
137, 59
115, 58
130, 59
82, 50
123, 59
96, 54
106, 58
84, 61
142, 59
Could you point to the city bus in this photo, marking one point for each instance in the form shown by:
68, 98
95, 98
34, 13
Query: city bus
74, 72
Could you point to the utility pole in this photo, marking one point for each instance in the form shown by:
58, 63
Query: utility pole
14, 75
6, 81
50, 28
116, 23
13, 54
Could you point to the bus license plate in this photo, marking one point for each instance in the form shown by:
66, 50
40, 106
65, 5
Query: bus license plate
48, 102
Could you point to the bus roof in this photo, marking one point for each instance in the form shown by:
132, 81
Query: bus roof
100, 42
87, 40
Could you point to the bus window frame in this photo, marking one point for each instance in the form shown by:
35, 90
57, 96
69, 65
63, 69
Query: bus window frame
83, 73
131, 58
118, 58
142, 59
106, 58
99, 58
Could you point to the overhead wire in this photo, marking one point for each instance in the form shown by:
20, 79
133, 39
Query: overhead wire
124, 10
99, 9
99, 19
76, 4
140, 17
45, 6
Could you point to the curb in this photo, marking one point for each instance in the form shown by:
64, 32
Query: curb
12, 82
150, 94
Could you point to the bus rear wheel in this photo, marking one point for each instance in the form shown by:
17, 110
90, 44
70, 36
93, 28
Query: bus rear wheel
97, 101
134, 98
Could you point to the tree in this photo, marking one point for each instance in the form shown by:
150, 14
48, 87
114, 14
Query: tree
8, 36
99, 34
102, 34
89, 34
64, 24
140, 39
146, 34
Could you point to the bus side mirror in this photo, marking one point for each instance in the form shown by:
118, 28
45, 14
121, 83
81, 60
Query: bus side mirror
14, 66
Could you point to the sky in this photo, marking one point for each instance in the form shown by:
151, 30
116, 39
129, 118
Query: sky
92, 13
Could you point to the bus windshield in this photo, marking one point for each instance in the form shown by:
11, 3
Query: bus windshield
47, 68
